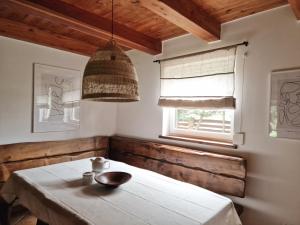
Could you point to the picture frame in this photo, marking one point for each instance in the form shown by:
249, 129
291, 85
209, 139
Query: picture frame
56, 99
284, 116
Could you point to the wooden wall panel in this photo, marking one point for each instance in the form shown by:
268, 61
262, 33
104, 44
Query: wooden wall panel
216, 172
32, 150
20, 156
7, 168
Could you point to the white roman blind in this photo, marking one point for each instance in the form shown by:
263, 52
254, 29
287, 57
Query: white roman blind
205, 80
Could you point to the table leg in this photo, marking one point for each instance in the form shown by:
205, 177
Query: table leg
39, 222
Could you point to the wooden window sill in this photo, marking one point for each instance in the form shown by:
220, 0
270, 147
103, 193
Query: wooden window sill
200, 141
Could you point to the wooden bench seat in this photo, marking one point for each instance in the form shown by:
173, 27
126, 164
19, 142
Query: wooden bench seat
29, 155
216, 172
219, 173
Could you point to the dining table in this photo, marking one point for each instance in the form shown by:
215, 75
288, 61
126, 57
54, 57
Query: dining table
57, 196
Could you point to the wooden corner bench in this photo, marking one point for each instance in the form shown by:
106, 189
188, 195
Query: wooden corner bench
34, 154
216, 172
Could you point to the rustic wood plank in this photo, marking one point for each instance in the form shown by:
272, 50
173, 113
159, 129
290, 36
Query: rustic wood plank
32, 150
200, 141
214, 163
216, 183
295, 5
130, 14
77, 18
8, 167
230, 10
187, 15
16, 13
216, 172
21, 31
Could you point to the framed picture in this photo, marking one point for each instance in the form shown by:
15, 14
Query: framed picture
56, 96
285, 104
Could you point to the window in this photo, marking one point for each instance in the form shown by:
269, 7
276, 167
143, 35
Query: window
197, 93
213, 124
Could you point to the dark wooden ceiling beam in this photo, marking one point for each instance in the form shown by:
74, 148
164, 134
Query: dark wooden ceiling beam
188, 16
88, 23
21, 31
295, 4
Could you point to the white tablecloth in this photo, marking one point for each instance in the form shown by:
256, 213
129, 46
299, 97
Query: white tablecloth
56, 195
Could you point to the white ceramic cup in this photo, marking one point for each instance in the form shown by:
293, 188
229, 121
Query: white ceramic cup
87, 178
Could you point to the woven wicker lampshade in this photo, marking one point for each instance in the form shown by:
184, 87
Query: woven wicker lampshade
110, 76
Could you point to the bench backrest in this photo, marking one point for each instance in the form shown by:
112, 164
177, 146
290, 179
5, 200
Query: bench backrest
219, 173
34, 154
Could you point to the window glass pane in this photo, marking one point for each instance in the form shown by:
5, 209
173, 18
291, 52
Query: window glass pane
217, 121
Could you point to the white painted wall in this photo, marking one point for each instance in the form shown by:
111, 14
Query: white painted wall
273, 183
16, 74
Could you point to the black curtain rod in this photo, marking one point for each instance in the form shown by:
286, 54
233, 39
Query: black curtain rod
202, 52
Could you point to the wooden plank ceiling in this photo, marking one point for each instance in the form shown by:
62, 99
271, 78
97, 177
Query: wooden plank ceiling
82, 26
295, 5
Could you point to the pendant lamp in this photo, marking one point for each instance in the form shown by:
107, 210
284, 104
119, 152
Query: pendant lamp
109, 75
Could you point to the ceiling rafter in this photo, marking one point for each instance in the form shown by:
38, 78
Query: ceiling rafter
295, 4
21, 31
90, 24
187, 15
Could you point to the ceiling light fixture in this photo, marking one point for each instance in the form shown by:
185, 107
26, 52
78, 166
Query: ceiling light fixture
109, 75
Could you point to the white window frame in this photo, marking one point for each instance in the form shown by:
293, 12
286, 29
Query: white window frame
168, 128
171, 130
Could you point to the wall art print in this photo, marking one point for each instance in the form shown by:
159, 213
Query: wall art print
56, 96
285, 104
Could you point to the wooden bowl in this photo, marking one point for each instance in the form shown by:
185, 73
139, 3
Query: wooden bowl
112, 179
